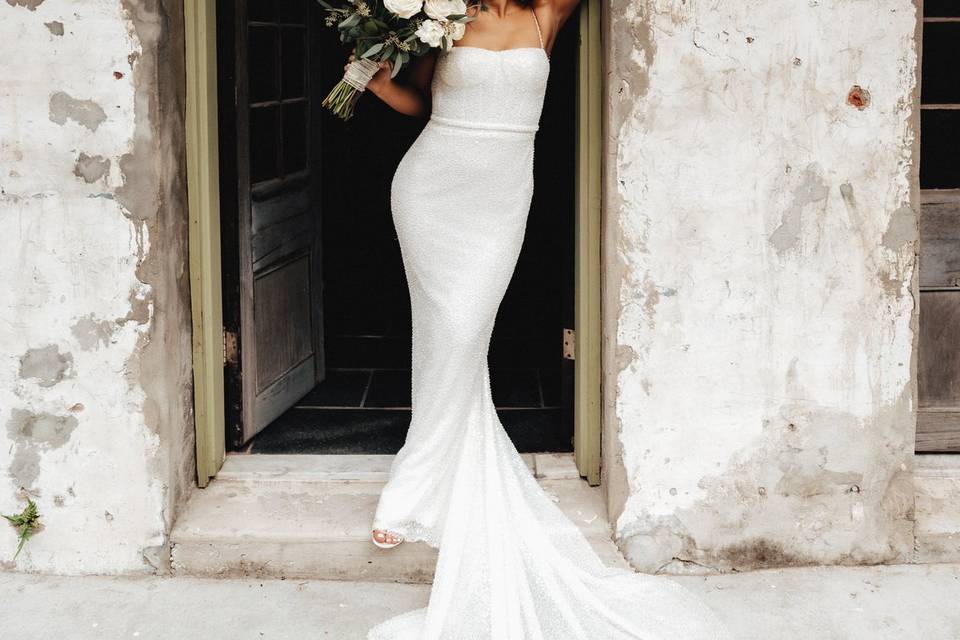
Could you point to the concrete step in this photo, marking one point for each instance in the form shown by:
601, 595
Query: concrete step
305, 516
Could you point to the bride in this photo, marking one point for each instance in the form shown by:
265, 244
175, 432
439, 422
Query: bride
511, 566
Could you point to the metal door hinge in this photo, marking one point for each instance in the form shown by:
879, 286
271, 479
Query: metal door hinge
229, 347
569, 344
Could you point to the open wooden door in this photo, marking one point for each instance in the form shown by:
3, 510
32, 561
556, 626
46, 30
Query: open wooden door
275, 229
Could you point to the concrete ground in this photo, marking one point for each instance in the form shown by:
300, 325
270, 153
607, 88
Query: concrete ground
902, 602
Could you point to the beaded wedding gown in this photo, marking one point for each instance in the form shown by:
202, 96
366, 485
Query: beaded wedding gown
511, 566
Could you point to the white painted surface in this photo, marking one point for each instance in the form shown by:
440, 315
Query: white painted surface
761, 257
69, 258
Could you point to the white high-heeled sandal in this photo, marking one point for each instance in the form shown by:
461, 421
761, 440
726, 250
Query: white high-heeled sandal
385, 535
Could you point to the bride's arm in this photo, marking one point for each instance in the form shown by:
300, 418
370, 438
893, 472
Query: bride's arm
555, 11
562, 8
411, 98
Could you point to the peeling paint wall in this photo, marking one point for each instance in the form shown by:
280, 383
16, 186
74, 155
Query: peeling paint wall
759, 281
94, 325
760, 234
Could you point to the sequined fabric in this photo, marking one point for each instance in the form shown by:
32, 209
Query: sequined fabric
511, 565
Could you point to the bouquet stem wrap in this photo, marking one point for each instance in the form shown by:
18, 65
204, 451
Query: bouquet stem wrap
343, 97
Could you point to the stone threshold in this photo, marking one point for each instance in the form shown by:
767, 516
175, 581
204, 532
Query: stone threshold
309, 516
240, 467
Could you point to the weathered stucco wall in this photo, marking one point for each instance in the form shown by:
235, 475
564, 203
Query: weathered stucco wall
759, 281
759, 292
94, 325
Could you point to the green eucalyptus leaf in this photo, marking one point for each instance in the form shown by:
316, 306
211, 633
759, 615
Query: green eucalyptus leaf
354, 19
396, 67
372, 51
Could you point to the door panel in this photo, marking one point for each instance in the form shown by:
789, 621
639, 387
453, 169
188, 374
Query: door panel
290, 231
278, 211
285, 365
940, 241
281, 317
938, 361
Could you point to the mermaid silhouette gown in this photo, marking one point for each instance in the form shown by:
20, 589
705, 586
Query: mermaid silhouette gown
511, 566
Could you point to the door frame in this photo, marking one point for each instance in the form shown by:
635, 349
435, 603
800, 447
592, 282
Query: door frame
587, 406
203, 190
206, 291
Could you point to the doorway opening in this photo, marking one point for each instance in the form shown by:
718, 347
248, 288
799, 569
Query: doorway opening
295, 241
361, 402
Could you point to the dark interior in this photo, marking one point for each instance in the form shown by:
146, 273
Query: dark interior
363, 403
939, 88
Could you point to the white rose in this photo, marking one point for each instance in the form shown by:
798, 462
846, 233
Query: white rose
430, 32
404, 8
440, 9
455, 30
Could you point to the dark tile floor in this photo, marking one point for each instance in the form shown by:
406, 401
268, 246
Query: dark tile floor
390, 389
368, 411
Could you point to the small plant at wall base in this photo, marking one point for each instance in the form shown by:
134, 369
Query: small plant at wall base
27, 523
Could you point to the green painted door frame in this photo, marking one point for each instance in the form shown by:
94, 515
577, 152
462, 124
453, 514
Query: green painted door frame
204, 201
587, 406
203, 186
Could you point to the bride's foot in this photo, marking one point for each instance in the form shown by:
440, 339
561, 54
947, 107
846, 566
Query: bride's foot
385, 539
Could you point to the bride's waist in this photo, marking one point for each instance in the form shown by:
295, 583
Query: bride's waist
475, 125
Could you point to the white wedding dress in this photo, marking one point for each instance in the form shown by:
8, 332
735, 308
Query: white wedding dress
511, 566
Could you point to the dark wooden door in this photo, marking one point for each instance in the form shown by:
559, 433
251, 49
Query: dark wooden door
938, 420
280, 353
938, 423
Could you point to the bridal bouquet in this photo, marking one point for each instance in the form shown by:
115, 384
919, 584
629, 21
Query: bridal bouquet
388, 31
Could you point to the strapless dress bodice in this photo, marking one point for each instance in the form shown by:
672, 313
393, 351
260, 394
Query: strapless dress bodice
488, 89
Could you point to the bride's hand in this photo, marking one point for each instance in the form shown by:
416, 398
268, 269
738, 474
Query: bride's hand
380, 79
